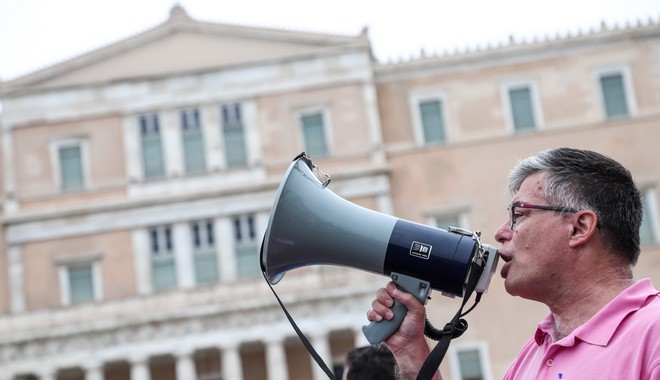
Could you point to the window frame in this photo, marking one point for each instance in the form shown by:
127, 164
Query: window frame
649, 198
55, 148
65, 263
156, 257
237, 105
415, 101
208, 246
626, 77
327, 135
158, 126
484, 359
185, 128
238, 242
535, 101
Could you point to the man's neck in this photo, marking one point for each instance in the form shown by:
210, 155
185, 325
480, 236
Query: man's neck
585, 300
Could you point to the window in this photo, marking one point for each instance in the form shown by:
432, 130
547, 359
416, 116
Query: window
234, 135
615, 100
432, 121
428, 117
80, 278
469, 363
648, 231
152, 150
247, 249
193, 141
163, 265
204, 253
521, 105
313, 132
446, 221
81, 284
70, 159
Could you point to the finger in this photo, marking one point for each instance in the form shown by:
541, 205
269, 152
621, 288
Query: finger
384, 297
408, 300
381, 309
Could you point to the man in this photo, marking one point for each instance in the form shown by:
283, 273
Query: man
570, 242
370, 363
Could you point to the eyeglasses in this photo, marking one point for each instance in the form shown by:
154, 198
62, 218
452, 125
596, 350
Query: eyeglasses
514, 205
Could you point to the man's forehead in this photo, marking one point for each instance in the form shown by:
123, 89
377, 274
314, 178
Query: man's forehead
531, 189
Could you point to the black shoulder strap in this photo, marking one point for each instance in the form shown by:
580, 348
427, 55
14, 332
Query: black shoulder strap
453, 329
303, 338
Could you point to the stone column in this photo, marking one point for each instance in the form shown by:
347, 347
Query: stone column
210, 117
183, 255
224, 234
185, 365
360, 339
48, 374
321, 344
170, 132
94, 371
276, 364
230, 357
140, 368
16, 279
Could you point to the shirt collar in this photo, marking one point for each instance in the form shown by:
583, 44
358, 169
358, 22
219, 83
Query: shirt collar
599, 329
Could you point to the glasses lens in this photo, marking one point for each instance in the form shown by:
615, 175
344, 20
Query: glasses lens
512, 218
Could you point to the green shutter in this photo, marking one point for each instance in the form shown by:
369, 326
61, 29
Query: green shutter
71, 171
614, 95
152, 156
432, 121
646, 233
447, 221
193, 150
314, 135
81, 284
470, 364
163, 272
247, 259
235, 145
521, 109
206, 266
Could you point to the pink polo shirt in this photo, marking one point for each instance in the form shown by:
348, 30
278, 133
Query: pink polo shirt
620, 342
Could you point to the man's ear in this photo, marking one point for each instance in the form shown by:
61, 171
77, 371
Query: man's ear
585, 225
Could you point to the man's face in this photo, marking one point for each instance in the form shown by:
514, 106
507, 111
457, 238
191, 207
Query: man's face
532, 250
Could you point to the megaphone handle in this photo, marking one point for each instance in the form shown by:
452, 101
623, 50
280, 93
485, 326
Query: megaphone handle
377, 332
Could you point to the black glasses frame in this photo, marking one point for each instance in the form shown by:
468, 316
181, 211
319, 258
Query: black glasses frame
512, 209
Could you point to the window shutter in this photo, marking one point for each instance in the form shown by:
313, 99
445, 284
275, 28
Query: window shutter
193, 148
470, 364
521, 109
234, 135
646, 233
81, 284
71, 168
314, 135
432, 121
614, 95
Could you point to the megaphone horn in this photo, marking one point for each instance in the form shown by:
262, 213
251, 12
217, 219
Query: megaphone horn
311, 225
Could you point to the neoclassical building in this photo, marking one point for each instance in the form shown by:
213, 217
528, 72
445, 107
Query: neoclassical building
138, 178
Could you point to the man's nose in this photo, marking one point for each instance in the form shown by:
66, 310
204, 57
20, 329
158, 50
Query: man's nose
503, 233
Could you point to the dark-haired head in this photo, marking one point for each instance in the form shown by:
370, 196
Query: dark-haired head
583, 179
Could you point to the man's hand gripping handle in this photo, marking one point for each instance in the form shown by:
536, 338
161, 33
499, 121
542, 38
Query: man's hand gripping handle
377, 332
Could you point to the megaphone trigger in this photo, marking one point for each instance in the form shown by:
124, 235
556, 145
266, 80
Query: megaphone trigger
377, 332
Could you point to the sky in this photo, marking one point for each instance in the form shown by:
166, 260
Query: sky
39, 33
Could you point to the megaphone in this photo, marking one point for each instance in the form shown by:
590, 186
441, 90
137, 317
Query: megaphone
311, 225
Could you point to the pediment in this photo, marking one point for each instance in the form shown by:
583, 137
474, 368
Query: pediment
178, 46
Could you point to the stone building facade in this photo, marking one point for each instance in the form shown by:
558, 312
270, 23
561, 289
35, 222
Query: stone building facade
137, 181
